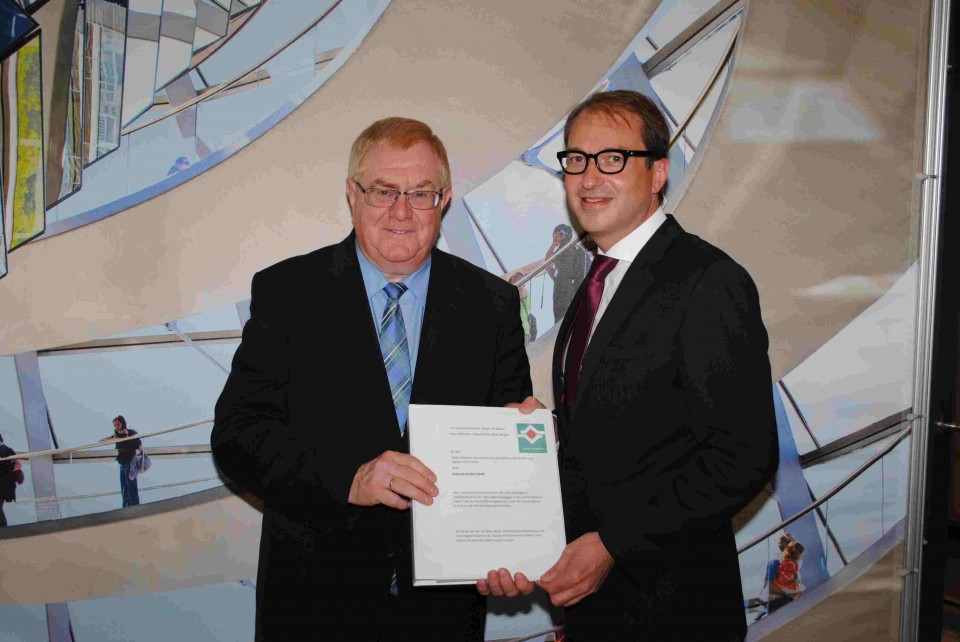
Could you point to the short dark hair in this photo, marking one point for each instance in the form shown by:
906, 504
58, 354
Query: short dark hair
123, 422
565, 230
621, 103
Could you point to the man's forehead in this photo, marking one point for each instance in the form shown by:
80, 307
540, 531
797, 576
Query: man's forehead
384, 162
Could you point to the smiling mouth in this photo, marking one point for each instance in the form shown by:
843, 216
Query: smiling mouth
594, 200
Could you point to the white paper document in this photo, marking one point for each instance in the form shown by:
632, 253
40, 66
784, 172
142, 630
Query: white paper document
499, 503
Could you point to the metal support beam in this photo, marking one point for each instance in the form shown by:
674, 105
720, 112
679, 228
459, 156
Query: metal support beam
58, 623
35, 418
930, 214
173, 327
59, 24
38, 433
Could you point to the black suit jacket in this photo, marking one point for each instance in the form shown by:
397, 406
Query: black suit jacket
308, 401
673, 432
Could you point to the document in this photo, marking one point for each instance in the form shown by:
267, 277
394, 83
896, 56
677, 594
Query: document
499, 503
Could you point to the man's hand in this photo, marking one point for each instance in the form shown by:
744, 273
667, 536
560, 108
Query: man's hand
500, 583
527, 406
581, 570
393, 479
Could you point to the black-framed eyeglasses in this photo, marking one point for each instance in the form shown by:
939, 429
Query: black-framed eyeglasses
419, 199
608, 161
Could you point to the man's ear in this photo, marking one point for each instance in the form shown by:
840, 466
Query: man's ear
661, 172
352, 192
447, 195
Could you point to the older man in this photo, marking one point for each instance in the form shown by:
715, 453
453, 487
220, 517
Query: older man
664, 400
312, 419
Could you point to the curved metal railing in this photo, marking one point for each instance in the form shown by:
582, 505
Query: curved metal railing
100, 444
900, 436
66, 455
64, 498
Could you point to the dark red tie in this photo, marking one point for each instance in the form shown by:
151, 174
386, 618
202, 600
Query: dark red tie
582, 322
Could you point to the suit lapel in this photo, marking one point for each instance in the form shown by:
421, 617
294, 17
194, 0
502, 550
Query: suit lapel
357, 329
560, 347
636, 281
439, 316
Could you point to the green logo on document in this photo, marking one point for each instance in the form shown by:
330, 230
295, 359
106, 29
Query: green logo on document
532, 438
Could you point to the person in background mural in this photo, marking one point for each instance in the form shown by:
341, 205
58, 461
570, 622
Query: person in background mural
663, 400
8, 478
787, 584
770, 574
527, 319
180, 164
567, 271
126, 454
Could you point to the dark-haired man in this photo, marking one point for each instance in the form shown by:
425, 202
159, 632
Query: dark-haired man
664, 401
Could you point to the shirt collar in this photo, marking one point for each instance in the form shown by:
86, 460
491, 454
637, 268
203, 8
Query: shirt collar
627, 248
374, 281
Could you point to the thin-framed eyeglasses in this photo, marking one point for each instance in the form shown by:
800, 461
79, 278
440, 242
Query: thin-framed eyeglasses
419, 199
608, 161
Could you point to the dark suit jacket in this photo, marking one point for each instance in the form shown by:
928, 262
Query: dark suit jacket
308, 401
673, 432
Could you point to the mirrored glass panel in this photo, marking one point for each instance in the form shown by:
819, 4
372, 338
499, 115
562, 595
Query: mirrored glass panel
3, 246
23, 178
143, 42
14, 26
178, 25
105, 50
71, 163
227, 116
681, 85
673, 16
212, 23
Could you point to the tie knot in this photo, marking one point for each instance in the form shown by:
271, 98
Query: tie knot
394, 290
601, 267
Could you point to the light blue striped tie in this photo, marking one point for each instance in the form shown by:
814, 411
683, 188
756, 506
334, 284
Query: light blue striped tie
396, 360
396, 356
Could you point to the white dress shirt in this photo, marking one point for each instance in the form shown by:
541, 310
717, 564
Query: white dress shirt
625, 251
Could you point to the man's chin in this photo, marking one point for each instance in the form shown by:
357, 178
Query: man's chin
403, 262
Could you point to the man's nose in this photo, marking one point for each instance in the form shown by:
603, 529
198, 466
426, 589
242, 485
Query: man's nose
592, 176
401, 209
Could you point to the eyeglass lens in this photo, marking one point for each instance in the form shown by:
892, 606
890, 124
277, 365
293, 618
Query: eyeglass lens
607, 162
418, 199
